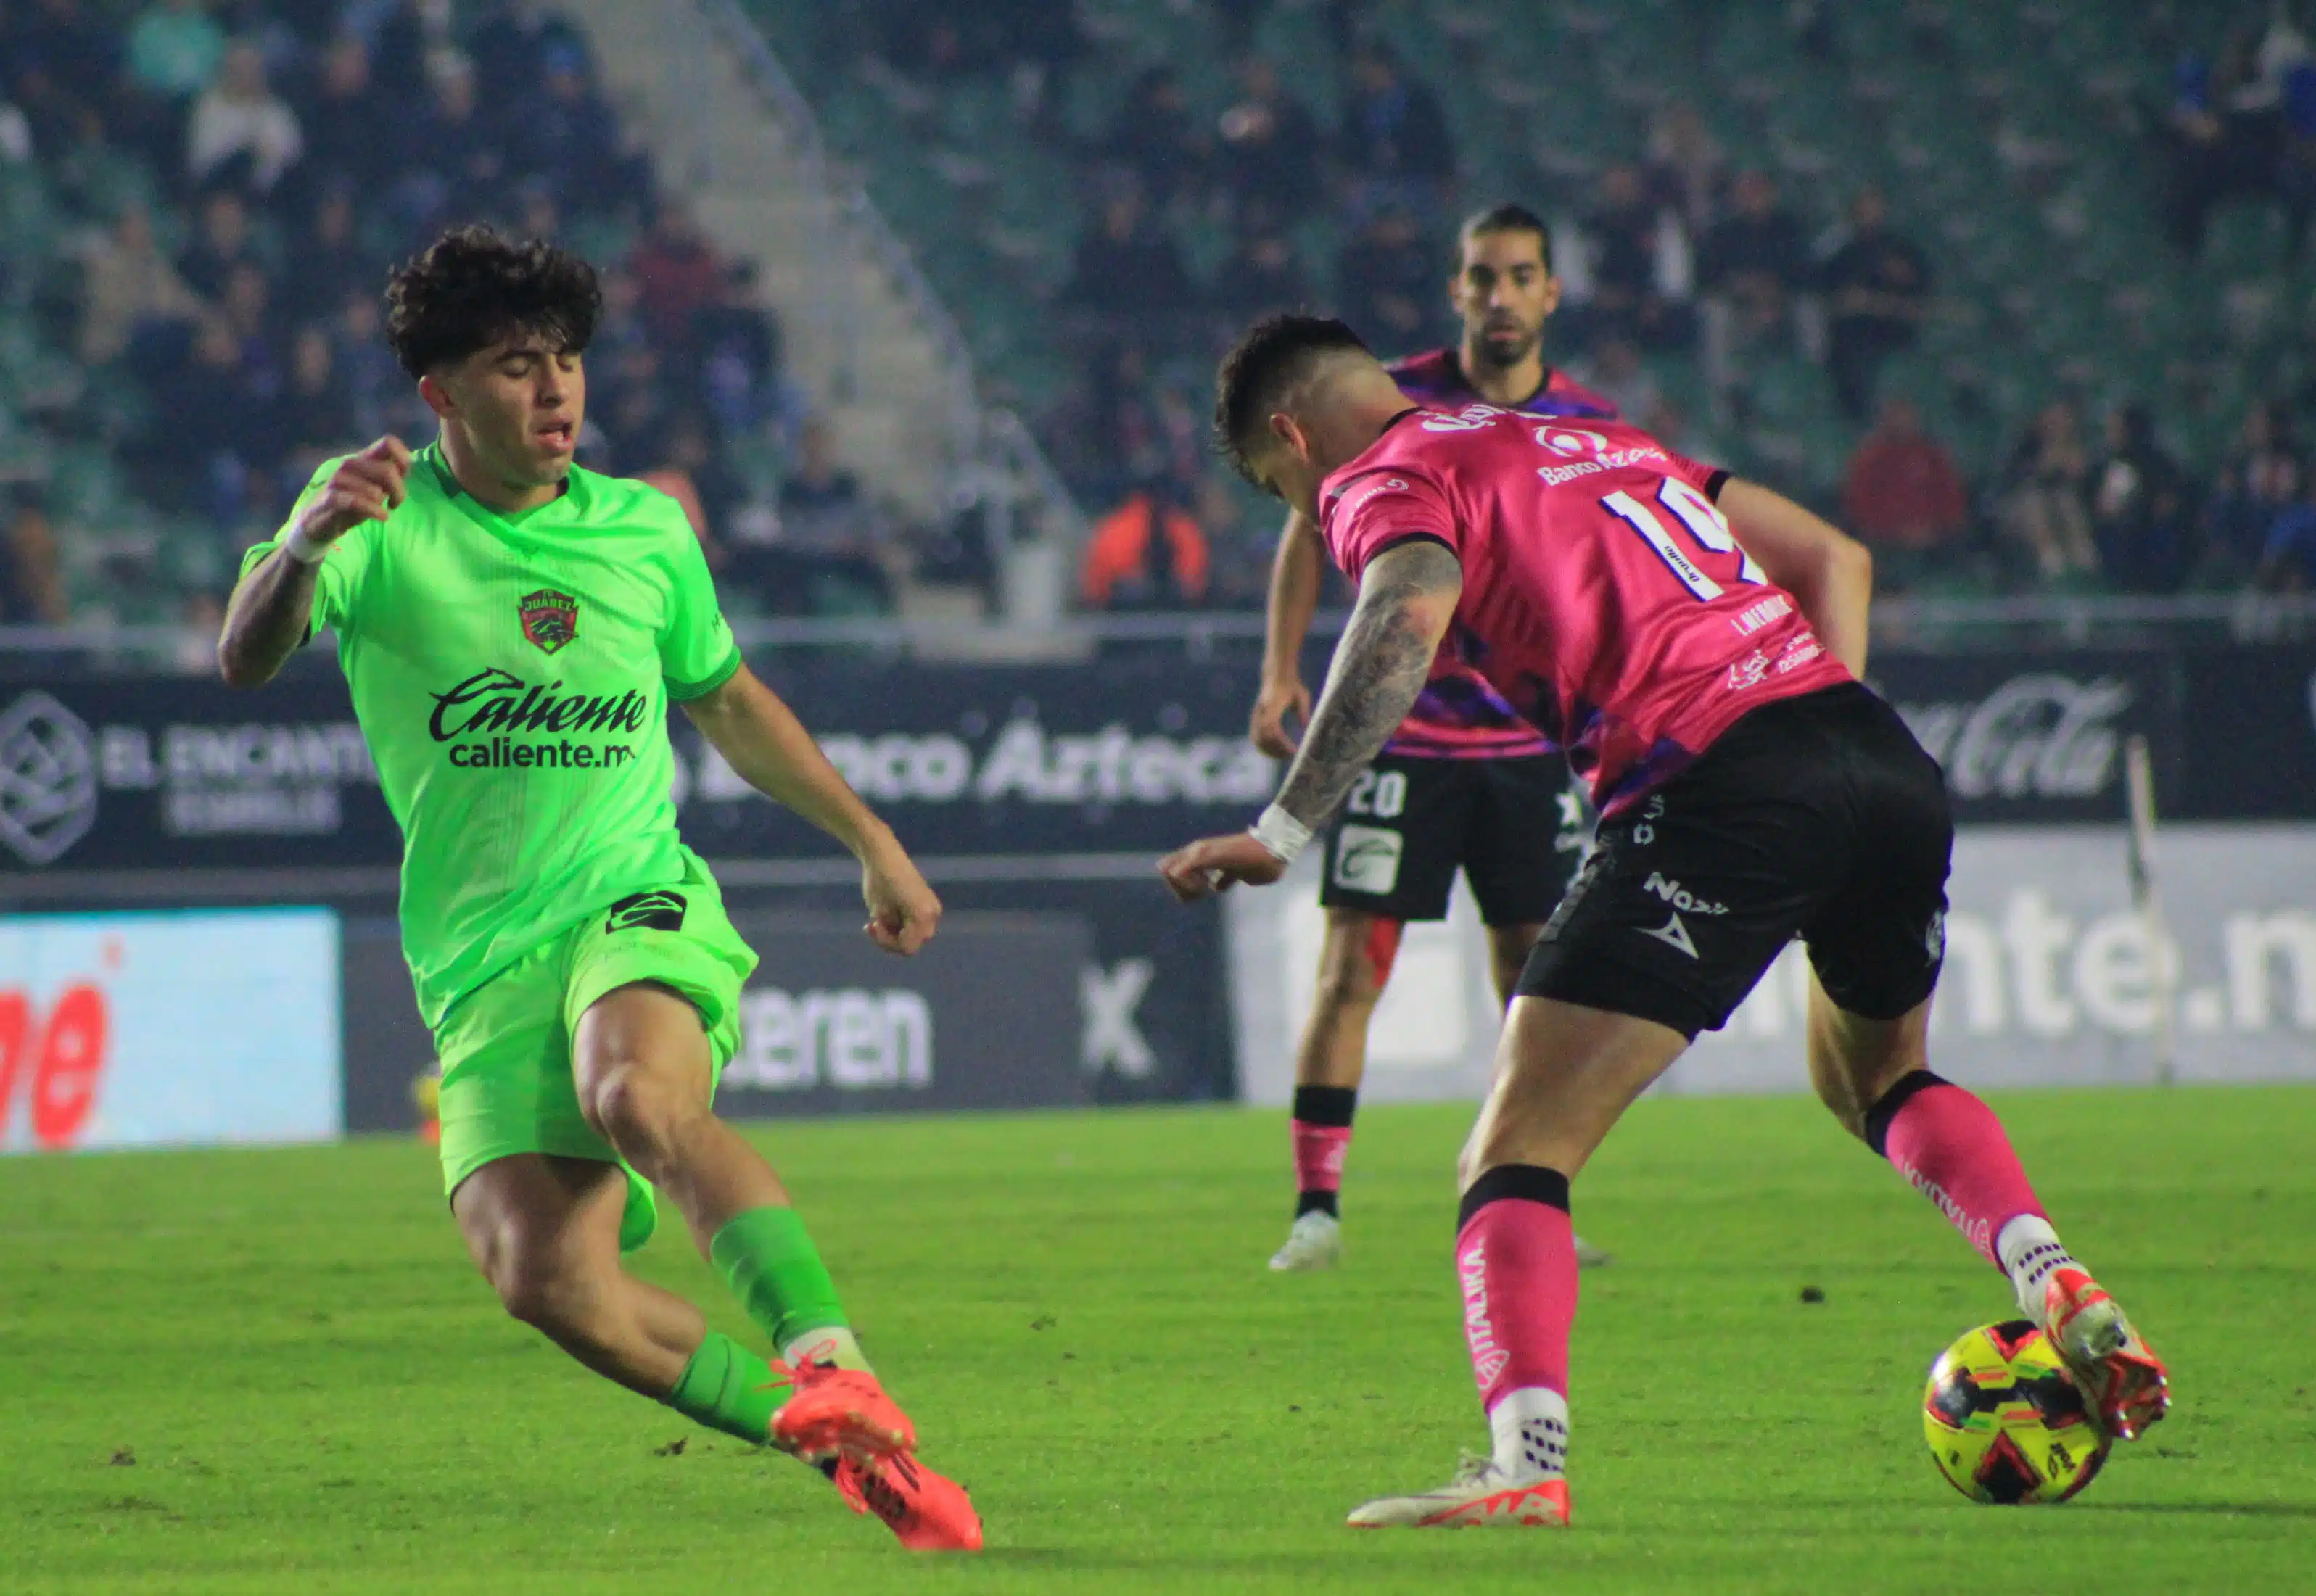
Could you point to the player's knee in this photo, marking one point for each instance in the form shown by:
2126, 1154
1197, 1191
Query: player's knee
541, 1288
636, 1108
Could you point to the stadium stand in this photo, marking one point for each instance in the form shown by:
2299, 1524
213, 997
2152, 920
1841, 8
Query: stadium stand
1763, 241
197, 204
2080, 187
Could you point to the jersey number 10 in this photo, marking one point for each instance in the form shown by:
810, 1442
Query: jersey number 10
1704, 522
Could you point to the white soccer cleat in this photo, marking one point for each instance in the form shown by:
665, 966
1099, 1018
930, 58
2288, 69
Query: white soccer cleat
1589, 1257
1316, 1242
1481, 1495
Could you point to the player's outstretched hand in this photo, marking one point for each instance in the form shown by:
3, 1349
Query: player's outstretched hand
365, 487
1267, 728
1215, 863
902, 911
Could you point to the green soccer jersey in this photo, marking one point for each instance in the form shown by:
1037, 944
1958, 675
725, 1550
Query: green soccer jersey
512, 674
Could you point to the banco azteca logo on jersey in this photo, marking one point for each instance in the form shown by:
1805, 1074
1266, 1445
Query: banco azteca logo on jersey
549, 619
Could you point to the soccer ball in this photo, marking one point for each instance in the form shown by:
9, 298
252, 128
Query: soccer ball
2006, 1422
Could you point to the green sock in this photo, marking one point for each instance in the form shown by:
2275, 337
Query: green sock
725, 1386
774, 1269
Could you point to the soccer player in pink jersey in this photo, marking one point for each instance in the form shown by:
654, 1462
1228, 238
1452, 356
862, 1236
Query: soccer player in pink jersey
1750, 790
1460, 782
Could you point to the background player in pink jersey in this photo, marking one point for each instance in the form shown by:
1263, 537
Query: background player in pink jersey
1459, 784
1750, 790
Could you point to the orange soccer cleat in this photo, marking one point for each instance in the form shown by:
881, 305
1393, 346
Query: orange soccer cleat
1481, 1494
839, 1412
927, 1512
2127, 1383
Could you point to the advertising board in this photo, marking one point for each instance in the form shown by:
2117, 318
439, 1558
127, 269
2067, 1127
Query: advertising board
150, 1030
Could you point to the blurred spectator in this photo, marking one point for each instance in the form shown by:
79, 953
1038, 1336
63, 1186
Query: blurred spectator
1685, 165
315, 417
1128, 264
174, 49
1393, 142
688, 472
2141, 507
344, 120
15, 132
1261, 272
1154, 138
1615, 372
569, 137
222, 243
1636, 270
202, 413
331, 260
515, 40
1748, 267
456, 162
2287, 561
31, 582
1877, 287
2044, 507
826, 556
1147, 553
378, 391
240, 118
2259, 478
677, 275
1392, 286
128, 290
61, 65
1269, 154
736, 341
1902, 493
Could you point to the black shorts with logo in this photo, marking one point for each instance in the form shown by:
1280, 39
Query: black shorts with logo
1818, 816
1515, 827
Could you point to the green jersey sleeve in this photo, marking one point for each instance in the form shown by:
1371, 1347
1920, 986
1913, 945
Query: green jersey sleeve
696, 651
338, 578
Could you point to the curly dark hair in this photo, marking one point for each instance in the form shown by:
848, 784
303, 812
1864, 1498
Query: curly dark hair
471, 288
1269, 361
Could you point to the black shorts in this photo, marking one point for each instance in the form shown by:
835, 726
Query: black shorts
1819, 817
1514, 826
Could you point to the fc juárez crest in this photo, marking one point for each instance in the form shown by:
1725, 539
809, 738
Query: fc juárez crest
549, 619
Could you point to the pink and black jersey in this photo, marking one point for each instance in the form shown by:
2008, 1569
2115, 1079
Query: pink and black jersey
1459, 716
1606, 601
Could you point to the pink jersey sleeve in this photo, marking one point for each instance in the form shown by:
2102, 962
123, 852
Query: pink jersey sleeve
1382, 507
1705, 479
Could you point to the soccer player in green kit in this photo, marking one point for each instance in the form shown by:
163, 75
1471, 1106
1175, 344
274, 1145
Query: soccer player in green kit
513, 628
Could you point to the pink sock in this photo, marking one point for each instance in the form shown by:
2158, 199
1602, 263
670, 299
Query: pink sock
1516, 1259
1319, 1152
1951, 1146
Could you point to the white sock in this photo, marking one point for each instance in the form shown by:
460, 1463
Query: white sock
833, 1345
2030, 1250
1530, 1427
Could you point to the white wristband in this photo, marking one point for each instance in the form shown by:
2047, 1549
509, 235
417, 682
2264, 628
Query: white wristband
1281, 833
304, 549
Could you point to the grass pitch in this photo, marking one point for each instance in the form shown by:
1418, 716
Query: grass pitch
274, 1371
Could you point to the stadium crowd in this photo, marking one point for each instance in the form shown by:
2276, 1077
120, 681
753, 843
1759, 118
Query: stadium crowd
1698, 288
230, 182
202, 197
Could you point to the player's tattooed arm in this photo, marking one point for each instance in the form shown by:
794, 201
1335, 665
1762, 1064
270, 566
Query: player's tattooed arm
1407, 597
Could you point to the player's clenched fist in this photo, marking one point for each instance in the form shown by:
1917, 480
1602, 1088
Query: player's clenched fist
1268, 727
1217, 864
902, 911
365, 487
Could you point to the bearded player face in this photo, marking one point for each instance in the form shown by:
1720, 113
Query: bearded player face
1504, 292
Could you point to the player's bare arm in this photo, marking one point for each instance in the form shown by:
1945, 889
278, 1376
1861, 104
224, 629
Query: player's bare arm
1295, 575
271, 611
1830, 574
1407, 597
760, 738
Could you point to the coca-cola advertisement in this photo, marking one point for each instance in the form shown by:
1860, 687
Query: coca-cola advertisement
2039, 737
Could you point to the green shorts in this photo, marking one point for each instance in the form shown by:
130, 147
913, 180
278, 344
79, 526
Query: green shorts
505, 1046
